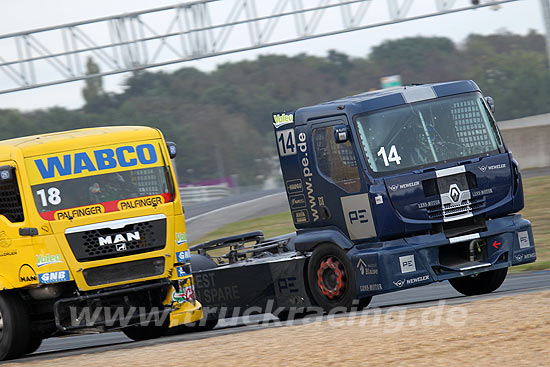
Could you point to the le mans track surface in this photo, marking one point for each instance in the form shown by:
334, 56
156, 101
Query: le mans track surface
203, 218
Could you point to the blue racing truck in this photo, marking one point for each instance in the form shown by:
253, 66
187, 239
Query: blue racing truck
388, 190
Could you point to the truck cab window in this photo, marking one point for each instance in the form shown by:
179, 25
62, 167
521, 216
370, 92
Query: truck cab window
336, 161
10, 201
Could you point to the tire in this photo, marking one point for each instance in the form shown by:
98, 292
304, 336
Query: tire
139, 332
15, 333
481, 283
331, 279
33, 345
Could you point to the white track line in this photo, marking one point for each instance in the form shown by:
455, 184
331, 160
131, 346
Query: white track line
231, 206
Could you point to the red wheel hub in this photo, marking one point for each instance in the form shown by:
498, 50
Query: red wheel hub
330, 277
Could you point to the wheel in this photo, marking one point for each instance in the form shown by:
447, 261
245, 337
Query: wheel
331, 278
14, 326
139, 332
481, 283
33, 345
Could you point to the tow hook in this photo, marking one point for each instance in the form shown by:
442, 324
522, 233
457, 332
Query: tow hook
475, 248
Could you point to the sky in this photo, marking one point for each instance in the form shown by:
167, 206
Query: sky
21, 15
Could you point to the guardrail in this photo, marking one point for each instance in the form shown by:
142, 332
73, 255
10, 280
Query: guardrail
529, 140
197, 194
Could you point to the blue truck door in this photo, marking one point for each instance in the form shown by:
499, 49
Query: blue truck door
341, 198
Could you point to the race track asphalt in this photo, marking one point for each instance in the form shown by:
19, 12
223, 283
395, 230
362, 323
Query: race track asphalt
426, 296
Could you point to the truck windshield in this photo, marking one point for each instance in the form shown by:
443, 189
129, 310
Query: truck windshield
423, 133
103, 193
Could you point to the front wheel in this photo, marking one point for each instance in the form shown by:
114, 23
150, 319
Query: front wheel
481, 283
14, 326
331, 279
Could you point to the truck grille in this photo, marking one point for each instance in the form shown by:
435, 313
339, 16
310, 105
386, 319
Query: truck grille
124, 271
117, 238
453, 210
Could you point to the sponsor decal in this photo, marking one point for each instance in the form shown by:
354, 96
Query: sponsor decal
429, 203
519, 257
378, 199
496, 244
297, 201
367, 269
183, 256
27, 274
300, 216
181, 238
181, 272
95, 160
523, 238
281, 119
8, 253
54, 277
370, 287
5, 240
42, 260
492, 167
119, 238
532, 255
482, 192
357, 214
294, 186
306, 172
407, 264
396, 187
186, 294
401, 282
83, 211
140, 202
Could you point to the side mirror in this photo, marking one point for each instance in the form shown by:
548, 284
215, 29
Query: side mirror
491, 103
341, 134
172, 150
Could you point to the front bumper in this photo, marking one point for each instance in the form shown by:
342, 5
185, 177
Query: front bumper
126, 306
389, 266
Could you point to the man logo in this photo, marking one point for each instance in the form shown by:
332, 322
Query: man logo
128, 237
121, 247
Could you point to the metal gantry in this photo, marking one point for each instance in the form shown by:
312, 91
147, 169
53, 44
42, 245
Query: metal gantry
191, 31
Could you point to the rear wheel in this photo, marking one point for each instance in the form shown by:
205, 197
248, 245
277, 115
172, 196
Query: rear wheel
14, 326
331, 279
481, 283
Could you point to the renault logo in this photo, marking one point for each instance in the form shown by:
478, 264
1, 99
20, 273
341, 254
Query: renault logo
454, 193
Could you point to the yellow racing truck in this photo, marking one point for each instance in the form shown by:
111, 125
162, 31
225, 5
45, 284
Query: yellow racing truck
92, 237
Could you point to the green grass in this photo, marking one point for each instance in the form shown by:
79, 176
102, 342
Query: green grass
537, 210
271, 225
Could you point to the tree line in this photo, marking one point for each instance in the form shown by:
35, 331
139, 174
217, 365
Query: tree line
221, 120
